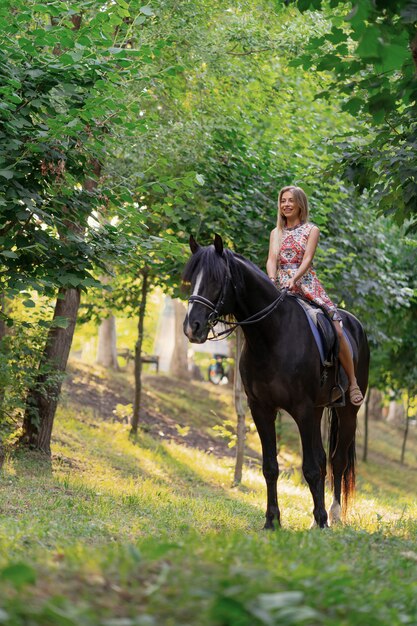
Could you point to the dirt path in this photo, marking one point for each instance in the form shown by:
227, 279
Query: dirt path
171, 409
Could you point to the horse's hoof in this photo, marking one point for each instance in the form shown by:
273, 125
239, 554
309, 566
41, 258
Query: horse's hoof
270, 525
335, 514
319, 526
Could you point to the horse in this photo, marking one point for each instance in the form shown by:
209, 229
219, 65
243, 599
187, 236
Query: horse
280, 369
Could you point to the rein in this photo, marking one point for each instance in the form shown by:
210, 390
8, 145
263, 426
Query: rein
214, 318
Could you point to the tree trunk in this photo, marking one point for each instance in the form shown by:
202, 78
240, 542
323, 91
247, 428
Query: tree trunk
138, 354
375, 404
179, 363
407, 422
2, 335
366, 425
240, 411
395, 413
42, 399
107, 348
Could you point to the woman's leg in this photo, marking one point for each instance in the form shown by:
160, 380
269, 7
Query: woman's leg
347, 363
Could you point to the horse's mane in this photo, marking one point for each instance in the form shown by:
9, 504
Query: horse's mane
213, 264
252, 266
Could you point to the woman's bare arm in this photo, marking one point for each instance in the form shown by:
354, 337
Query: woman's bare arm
271, 264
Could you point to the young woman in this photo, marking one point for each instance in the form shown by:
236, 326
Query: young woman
292, 246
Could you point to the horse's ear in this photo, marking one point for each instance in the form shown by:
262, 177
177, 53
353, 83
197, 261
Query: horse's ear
193, 245
218, 244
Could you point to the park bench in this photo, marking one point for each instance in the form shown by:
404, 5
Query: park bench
129, 355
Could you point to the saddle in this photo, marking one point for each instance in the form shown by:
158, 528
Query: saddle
327, 342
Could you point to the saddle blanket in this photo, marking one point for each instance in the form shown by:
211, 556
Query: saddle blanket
325, 337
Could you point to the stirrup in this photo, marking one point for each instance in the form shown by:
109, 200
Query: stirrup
339, 402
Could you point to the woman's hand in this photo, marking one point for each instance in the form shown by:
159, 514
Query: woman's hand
291, 284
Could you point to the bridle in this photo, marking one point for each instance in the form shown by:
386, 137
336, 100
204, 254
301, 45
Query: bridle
215, 308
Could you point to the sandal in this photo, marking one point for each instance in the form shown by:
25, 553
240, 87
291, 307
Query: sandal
355, 395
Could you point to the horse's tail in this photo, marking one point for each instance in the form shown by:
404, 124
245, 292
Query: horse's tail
349, 478
349, 475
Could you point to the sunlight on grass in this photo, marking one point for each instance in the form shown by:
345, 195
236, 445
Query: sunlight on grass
115, 523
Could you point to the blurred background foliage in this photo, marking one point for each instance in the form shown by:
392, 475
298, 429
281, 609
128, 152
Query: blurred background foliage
126, 127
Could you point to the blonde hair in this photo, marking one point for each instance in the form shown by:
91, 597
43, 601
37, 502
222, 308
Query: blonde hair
302, 203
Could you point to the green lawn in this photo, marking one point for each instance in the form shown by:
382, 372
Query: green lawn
116, 532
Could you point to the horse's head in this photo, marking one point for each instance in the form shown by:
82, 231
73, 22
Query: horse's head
208, 274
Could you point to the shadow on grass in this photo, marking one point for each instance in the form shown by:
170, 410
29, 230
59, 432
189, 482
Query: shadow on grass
383, 475
166, 493
26, 461
168, 406
204, 492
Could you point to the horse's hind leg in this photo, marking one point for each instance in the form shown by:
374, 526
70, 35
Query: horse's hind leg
342, 459
264, 418
314, 460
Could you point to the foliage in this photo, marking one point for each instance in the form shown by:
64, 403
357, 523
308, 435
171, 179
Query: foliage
370, 50
363, 261
63, 71
126, 127
55, 111
401, 374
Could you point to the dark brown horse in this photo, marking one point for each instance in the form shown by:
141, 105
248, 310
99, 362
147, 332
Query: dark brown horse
280, 368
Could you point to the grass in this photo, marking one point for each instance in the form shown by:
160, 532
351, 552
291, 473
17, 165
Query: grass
116, 532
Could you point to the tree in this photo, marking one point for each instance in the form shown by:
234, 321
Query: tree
63, 88
219, 117
371, 52
107, 347
191, 131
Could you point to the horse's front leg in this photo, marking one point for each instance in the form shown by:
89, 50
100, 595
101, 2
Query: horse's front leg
314, 460
264, 418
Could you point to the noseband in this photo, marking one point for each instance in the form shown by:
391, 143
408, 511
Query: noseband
215, 309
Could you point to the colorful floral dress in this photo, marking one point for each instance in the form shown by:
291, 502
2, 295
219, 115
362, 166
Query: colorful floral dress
293, 246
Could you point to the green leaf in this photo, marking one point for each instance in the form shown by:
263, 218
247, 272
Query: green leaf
337, 36
7, 174
59, 616
60, 322
329, 62
353, 106
9, 254
30, 304
147, 10
18, 574
312, 5
370, 44
393, 58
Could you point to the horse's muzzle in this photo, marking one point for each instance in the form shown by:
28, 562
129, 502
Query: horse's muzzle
195, 330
